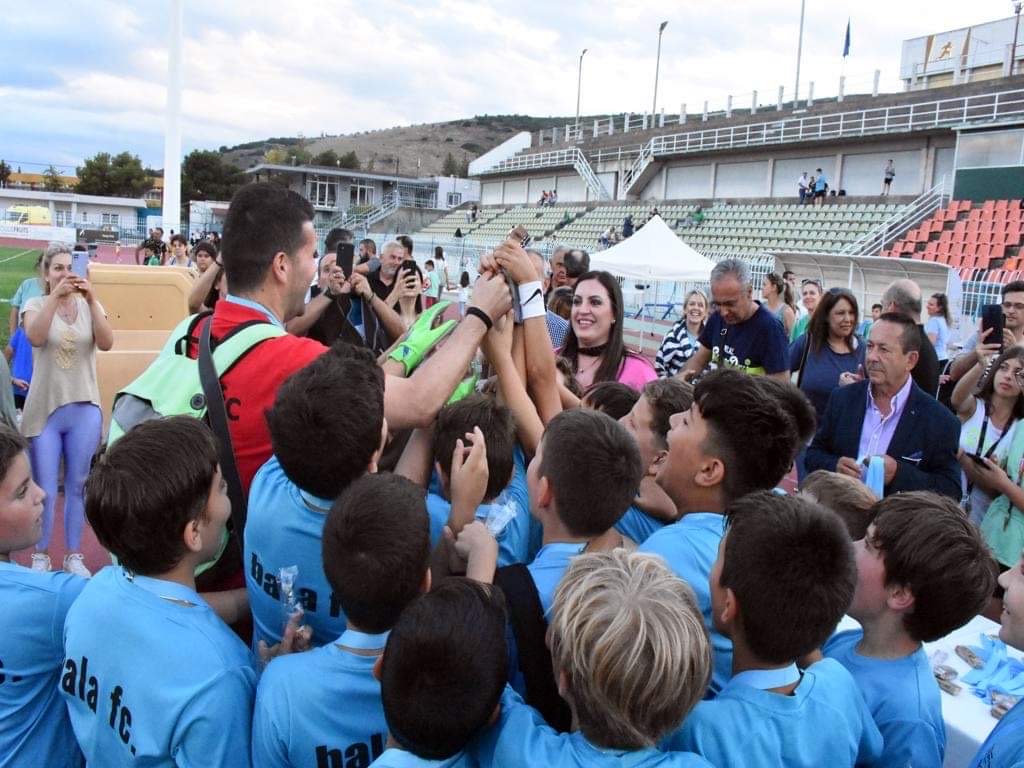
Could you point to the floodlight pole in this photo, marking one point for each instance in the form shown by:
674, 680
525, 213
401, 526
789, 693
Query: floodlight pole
579, 86
657, 67
1016, 26
172, 124
799, 53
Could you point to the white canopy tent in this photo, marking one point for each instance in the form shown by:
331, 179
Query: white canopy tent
654, 253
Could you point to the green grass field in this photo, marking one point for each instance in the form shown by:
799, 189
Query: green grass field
15, 265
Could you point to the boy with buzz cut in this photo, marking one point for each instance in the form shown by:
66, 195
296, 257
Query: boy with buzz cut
442, 674
740, 435
323, 707
922, 572
327, 428
783, 576
151, 675
34, 725
631, 657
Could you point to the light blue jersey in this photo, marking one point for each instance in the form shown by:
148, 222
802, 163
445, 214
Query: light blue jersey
34, 725
1004, 747
399, 758
508, 517
690, 548
521, 737
823, 723
153, 677
548, 568
321, 708
285, 527
903, 698
638, 525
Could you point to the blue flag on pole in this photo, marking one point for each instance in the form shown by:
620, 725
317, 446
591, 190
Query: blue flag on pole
846, 45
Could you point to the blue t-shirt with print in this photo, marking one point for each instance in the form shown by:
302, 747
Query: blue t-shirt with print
758, 345
153, 677
34, 724
322, 707
1004, 747
284, 527
821, 369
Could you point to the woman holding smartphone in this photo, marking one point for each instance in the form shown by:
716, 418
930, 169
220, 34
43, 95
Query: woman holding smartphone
62, 411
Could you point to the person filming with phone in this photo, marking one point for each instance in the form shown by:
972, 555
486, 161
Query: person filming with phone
1007, 333
62, 417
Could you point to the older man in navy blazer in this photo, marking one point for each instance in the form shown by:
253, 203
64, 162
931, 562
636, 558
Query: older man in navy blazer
888, 415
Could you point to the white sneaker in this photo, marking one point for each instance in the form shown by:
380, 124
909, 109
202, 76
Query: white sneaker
74, 563
41, 562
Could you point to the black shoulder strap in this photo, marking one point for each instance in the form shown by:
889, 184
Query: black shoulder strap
218, 416
529, 628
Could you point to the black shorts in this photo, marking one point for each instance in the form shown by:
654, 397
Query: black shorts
819, 193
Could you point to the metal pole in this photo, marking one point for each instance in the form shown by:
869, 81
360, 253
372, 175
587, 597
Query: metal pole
657, 67
1016, 25
172, 124
799, 53
579, 85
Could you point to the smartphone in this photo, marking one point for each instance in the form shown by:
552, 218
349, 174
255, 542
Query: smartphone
992, 317
346, 255
80, 264
977, 458
409, 265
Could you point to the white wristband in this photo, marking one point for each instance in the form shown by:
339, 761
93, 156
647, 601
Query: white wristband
531, 299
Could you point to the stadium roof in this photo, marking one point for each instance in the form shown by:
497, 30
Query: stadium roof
72, 197
323, 170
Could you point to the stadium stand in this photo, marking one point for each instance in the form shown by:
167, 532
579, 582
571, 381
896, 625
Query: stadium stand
457, 219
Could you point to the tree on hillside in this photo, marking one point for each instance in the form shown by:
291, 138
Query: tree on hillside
464, 168
5, 174
52, 182
349, 160
205, 176
120, 176
275, 156
299, 156
450, 167
327, 157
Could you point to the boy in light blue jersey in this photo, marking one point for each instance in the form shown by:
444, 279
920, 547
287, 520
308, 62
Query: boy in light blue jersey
631, 657
922, 572
740, 435
34, 725
442, 674
327, 428
648, 423
1004, 747
323, 707
782, 579
151, 675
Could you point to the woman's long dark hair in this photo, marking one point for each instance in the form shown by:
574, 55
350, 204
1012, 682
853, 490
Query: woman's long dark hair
987, 386
817, 329
784, 289
615, 352
943, 302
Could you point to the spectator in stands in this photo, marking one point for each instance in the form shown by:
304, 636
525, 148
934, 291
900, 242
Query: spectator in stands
937, 327
62, 411
803, 184
606, 237
325, 317
778, 298
889, 174
891, 417
29, 288
474, 212
576, 262
627, 226
740, 333
179, 252
820, 187
1013, 329
989, 402
810, 295
553, 197
683, 339
595, 343
543, 198
904, 298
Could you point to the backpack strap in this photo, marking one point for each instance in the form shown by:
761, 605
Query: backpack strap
529, 627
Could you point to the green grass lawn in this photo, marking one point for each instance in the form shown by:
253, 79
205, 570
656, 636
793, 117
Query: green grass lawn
15, 265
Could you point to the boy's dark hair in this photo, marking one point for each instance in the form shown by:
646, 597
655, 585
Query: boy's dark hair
179, 238
138, 514
667, 397
11, 444
262, 220
1016, 286
848, 498
494, 420
326, 421
336, 237
593, 466
429, 263
612, 397
877, 306
376, 549
444, 667
755, 424
929, 546
406, 242
791, 565
205, 246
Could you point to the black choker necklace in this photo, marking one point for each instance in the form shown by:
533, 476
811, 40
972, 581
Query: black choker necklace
593, 351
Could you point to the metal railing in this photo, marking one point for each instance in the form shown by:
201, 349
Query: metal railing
589, 177
874, 240
561, 157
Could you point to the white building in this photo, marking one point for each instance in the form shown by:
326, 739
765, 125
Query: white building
968, 54
69, 209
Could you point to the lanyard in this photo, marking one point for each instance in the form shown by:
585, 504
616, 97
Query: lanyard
764, 679
981, 441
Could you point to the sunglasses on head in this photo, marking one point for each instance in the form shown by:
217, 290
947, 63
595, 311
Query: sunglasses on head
811, 281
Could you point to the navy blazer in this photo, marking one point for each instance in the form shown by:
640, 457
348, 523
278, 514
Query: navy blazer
924, 444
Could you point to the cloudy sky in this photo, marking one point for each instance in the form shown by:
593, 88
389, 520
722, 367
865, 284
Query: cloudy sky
85, 76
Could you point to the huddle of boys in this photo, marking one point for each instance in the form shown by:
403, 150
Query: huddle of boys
729, 602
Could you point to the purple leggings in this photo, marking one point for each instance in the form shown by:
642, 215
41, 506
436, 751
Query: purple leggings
71, 431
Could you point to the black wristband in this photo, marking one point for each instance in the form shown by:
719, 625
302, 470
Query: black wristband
481, 315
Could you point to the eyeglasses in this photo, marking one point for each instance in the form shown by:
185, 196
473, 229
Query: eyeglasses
810, 281
1014, 305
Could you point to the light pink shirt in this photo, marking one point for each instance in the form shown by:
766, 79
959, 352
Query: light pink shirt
878, 429
635, 372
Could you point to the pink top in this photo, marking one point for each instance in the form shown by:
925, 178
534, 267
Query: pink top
635, 372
